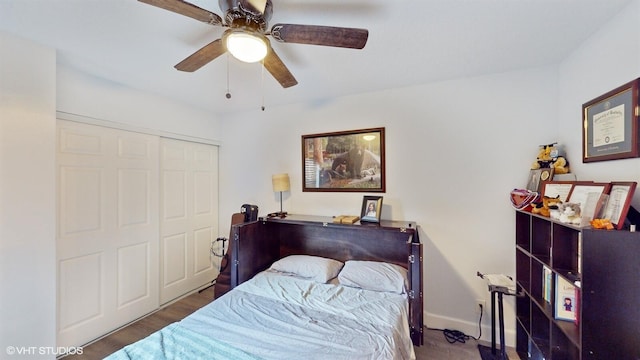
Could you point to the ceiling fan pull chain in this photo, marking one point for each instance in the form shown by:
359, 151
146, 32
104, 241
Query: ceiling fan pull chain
228, 94
262, 83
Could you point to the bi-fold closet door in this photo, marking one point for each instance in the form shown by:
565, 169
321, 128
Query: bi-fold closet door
120, 254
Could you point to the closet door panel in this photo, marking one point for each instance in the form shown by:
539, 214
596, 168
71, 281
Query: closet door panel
189, 188
108, 229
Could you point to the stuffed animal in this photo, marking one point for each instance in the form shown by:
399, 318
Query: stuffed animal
569, 213
544, 158
560, 165
547, 205
549, 156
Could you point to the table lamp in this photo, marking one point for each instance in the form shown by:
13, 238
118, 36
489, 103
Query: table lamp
280, 183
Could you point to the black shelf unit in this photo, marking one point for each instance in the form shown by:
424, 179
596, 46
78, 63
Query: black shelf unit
605, 265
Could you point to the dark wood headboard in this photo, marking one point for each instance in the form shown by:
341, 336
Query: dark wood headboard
258, 244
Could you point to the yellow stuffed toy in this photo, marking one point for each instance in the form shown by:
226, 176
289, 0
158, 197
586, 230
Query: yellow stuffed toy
545, 206
544, 159
560, 165
549, 157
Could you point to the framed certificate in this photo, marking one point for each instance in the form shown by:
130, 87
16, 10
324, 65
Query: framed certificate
560, 189
617, 207
590, 198
610, 125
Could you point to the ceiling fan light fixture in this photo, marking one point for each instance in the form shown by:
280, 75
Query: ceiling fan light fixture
246, 46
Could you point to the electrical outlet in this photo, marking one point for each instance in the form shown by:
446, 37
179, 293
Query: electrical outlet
481, 306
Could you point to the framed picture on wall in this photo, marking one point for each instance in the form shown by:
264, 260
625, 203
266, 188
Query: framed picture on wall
346, 161
610, 125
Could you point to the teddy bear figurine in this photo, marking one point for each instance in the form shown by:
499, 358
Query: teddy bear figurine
549, 156
544, 158
560, 165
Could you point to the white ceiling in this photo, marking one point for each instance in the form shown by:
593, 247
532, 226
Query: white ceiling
410, 42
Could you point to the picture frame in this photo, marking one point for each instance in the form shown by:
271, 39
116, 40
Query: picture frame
590, 197
345, 161
533, 183
371, 209
617, 207
537, 176
559, 188
610, 125
566, 300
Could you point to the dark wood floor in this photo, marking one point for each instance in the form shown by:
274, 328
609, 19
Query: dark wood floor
435, 347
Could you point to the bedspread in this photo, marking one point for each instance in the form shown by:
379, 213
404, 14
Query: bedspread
274, 316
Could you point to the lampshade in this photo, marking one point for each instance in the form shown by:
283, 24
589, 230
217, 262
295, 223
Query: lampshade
280, 182
245, 45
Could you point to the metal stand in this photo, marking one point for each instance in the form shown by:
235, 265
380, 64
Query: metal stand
499, 285
222, 266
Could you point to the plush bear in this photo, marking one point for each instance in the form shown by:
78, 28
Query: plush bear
550, 156
544, 158
560, 165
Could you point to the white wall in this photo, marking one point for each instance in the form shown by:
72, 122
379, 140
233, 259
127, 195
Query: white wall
27, 197
608, 59
89, 96
454, 151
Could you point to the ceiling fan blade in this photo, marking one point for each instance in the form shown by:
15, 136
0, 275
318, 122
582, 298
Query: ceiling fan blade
186, 9
202, 57
278, 69
320, 35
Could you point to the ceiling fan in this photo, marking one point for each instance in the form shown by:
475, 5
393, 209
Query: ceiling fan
247, 21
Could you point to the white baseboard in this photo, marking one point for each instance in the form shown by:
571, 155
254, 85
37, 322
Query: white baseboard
432, 321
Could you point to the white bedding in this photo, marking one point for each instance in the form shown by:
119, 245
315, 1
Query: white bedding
275, 316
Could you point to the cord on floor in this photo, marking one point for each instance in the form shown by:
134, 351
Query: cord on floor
454, 336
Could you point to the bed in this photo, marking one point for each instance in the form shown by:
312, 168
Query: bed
306, 289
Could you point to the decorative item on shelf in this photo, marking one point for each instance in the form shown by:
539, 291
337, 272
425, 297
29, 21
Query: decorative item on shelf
280, 183
619, 202
566, 300
602, 224
546, 205
551, 156
522, 198
568, 213
345, 219
371, 209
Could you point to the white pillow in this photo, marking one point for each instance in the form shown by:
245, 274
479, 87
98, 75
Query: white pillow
374, 275
315, 268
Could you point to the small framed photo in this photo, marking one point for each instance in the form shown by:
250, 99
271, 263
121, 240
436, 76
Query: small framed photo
617, 207
537, 177
566, 300
534, 180
371, 209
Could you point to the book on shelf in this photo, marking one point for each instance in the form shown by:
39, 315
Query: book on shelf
547, 285
566, 307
